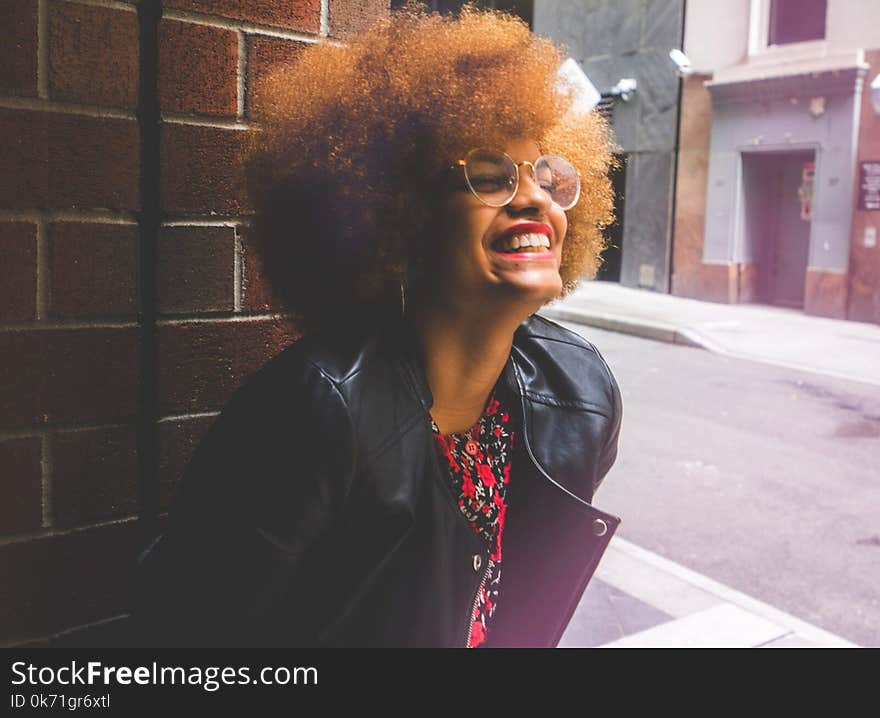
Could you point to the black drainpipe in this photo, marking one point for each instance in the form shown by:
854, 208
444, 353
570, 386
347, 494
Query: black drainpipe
671, 243
149, 13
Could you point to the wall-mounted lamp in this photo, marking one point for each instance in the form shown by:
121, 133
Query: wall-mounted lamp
875, 94
572, 80
682, 62
624, 88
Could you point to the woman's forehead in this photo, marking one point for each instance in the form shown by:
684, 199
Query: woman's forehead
521, 149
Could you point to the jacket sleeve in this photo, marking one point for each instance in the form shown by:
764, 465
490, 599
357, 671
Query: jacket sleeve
245, 546
609, 448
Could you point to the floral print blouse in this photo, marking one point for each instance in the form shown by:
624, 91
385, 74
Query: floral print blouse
479, 472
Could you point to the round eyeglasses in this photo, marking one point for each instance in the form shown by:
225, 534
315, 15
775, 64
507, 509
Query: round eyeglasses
493, 177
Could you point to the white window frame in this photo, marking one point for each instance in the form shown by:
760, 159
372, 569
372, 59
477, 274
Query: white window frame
759, 30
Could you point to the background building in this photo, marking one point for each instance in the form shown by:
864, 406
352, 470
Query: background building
777, 125
615, 40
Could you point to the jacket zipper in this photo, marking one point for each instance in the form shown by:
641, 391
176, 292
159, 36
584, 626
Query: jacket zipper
470, 621
522, 398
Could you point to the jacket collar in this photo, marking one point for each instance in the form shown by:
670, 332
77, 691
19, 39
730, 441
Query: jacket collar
402, 336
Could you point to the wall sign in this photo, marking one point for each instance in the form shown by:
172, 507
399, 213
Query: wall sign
869, 185
805, 191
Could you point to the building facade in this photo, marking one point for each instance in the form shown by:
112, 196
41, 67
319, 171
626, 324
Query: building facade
779, 150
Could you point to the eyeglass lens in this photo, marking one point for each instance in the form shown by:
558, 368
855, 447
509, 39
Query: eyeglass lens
492, 176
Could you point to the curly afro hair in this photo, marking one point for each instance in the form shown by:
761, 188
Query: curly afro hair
344, 174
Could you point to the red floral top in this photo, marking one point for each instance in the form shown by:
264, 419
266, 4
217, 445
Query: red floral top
479, 470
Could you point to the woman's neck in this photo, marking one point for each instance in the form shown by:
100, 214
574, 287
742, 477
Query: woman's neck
463, 358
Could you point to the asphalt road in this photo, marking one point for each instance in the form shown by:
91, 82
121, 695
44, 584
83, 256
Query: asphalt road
764, 478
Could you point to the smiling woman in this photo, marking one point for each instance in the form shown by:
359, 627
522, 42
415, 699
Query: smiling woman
421, 193
350, 169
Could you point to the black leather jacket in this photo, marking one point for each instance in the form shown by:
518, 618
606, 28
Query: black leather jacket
316, 511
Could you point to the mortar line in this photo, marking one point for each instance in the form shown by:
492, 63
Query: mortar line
191, 415
179, 118
43, 49
46, 465
43, 104
253, 318
85, 216
110, 4
242, 74
35, 535
43, 268
325, 18
60, 324
237, 288
231, 221
251, 28
62, 428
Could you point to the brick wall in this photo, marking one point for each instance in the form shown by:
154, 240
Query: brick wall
130, 305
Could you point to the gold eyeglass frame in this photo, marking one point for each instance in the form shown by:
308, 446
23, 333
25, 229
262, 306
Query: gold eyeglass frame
463, 162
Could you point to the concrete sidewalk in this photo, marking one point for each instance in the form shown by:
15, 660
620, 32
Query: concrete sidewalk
786, 337
639, 599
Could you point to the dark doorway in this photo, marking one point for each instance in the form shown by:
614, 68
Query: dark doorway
778, 213
613, 254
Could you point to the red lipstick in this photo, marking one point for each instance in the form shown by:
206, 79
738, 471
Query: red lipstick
525, 228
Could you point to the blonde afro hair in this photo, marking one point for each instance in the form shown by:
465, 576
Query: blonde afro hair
344, 174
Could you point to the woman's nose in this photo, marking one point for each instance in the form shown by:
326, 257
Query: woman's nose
529, 192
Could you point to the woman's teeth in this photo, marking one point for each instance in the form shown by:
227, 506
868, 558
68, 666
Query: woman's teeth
525, 242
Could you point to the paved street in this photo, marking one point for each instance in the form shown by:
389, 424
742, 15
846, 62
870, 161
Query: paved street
761, 477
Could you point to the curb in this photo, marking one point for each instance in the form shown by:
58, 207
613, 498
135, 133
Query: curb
683, 336
657, 331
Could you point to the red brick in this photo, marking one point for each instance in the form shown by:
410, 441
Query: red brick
18, 51
196, 269
201, 364
198, 68
21, 490
352, 17
256, 295
303, 15
94, 269
24, 159
94, 475
66, 375
202, 170
57, 582
178, 440
93, 55
60, 161
18, 281
264, 55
